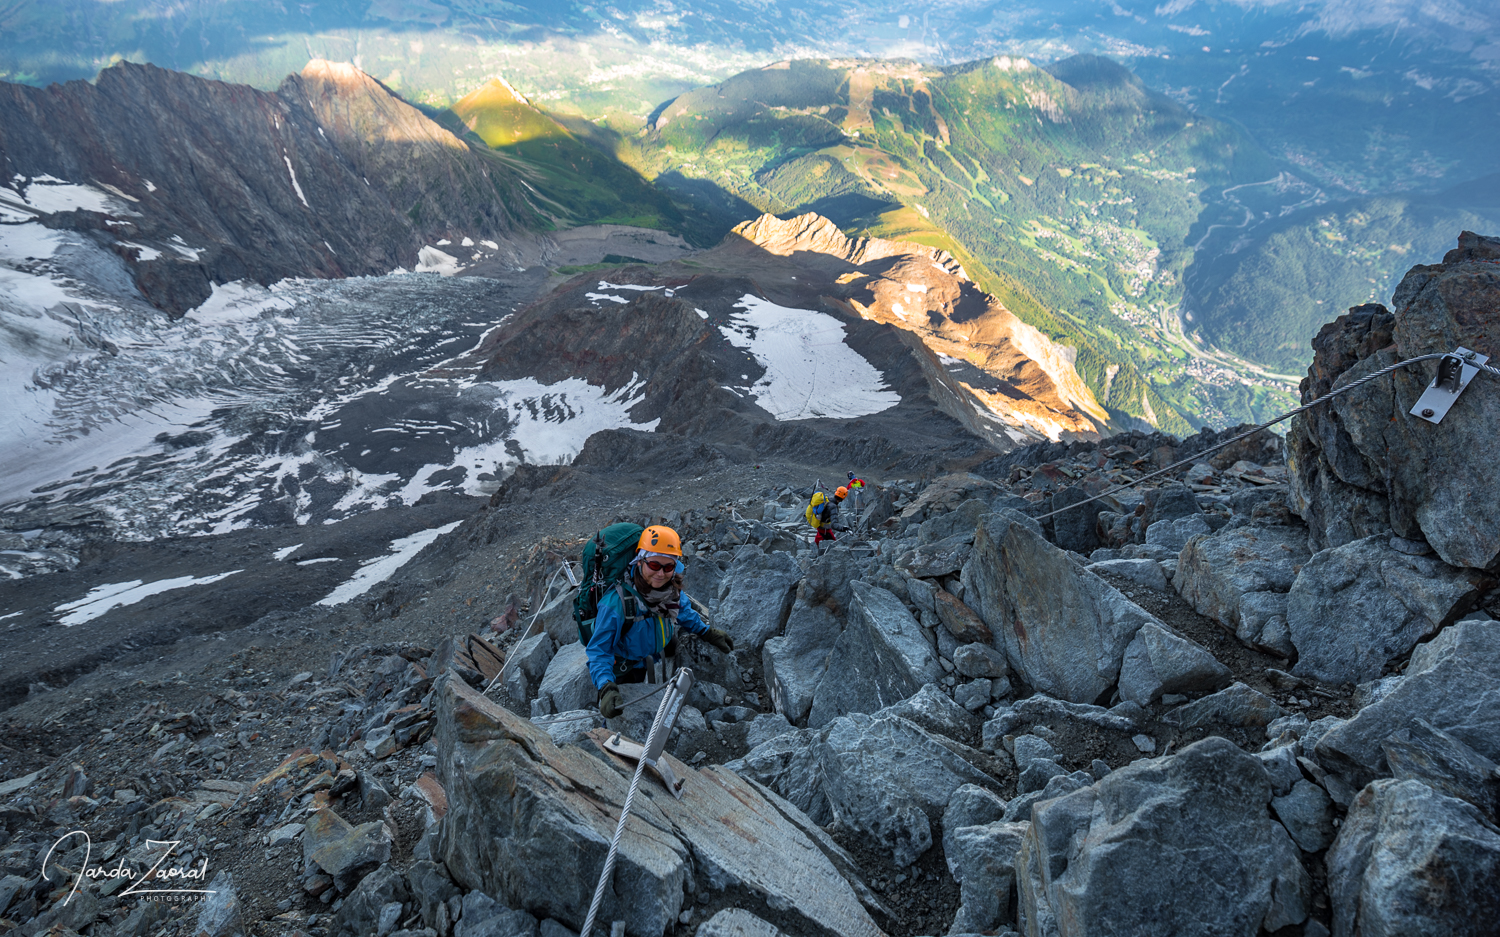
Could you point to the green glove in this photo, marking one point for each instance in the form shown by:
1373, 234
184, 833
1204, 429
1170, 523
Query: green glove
609, 701
720, 639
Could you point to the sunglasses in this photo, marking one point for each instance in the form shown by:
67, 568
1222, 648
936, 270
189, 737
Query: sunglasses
656, 566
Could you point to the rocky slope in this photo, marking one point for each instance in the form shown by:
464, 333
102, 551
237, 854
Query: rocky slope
1003, 710
196, 182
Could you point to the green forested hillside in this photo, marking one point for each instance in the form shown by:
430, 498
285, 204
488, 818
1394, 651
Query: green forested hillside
1268, 301
1069, 192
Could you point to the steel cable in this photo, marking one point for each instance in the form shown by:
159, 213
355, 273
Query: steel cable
635, 783
1269, 423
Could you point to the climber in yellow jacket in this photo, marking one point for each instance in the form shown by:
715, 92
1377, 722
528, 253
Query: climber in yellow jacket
823, 513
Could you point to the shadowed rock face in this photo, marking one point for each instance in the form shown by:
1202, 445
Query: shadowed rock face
1361, 465
330, 176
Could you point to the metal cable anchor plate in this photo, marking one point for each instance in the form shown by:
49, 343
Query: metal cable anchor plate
1454, 373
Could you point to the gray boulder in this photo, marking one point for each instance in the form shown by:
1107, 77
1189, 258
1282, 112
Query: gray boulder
1448, 766
556, 619
935, 711
1159, 661
796, 661
1145, 572
1355, 607
931, 560
788, 765
960, 522
1215, 573
1018, 809
1174, 534
922, 595
961, 621
1057, 715
979, 660
1170, 502
529, 823
982, 860
1307, 813
566, 684
483, 916
970, 805
1182, 844
887, 777
1452, 682
1262, 623
1409, 860
759, 596
736, 922
1239, 705
527, 666
1064, 629
1075, 529
880, 658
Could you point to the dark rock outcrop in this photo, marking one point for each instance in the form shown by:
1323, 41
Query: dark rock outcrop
1361, 465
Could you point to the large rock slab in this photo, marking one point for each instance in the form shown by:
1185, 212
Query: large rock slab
1355, 607
881, 658
1452, 682
1409, 860
759, 596
1361, 464
795, 661
1215, 573
1237, 705
1075, 529
1160, 661
529, 823
1176, 845
1063, 629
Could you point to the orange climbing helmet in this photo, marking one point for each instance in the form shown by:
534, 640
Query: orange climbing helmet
659, 539
841, 492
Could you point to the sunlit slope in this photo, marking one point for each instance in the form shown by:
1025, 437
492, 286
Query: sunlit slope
1071, 189
575, 181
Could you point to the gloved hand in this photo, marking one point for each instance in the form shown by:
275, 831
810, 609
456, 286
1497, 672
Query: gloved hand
720, 639
609, 701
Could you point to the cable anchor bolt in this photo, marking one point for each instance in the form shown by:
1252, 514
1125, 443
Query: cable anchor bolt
1453, 375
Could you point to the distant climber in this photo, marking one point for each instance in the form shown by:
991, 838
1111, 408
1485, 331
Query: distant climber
637, 619
823, 513
856, 495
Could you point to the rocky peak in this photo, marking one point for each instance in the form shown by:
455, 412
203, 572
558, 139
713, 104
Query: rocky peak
331, 176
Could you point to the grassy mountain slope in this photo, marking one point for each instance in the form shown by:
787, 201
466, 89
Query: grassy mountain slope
1070, 193
570, 169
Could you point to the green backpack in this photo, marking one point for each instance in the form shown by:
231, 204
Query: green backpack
605, 560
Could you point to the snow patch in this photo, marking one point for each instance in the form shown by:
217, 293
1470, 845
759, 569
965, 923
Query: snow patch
114, 595
810, 372
606, 285
432, 260
293, 173
614, 299
375, 571
321, 559
285, 552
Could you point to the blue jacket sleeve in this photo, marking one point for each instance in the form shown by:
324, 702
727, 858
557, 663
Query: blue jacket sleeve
601, 649
688, 618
